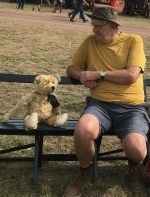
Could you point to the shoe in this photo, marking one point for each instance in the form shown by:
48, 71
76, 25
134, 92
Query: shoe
71, 20
39, 8
69, 15
134, 177
85, 20
76, 188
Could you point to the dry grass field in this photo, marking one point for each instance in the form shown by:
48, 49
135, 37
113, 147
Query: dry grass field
43, 43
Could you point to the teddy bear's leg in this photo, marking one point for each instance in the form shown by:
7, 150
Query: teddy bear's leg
31, 121
13, 112
21, 106
57, 121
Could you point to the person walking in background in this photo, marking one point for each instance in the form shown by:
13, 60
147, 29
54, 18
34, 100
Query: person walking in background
79, 9
54, 5
111, 65
57, 6
20, 4
36, 3
92, 4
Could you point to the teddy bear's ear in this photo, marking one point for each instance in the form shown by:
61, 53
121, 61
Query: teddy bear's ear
57, 77
37, 79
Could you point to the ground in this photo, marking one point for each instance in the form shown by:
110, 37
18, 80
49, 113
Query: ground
24, 52
62, 20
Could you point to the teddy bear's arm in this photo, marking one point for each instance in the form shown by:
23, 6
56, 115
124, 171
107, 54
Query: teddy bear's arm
20, 107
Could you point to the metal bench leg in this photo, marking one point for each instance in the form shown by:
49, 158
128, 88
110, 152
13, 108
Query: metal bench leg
94, 165
97, 143
36, 160
40, 151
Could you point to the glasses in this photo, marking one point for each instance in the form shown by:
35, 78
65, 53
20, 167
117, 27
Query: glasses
98, 26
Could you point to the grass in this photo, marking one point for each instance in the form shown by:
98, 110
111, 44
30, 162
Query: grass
41, 47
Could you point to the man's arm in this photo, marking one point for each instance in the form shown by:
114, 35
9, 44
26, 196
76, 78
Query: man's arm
75, 73
85, 2
123, 76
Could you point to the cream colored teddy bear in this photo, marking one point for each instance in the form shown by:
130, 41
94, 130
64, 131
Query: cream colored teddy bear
41, 105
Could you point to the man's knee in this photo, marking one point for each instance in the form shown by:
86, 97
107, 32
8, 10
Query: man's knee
88, 127
134, 145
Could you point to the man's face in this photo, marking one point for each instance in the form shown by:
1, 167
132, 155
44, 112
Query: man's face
102, 30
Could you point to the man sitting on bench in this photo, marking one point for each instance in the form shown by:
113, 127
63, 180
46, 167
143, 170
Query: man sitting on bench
111, 64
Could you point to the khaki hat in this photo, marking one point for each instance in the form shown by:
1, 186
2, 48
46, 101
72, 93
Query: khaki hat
104, 12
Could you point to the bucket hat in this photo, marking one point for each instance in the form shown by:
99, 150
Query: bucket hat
104, 12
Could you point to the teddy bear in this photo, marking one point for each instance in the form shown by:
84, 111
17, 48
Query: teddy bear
41, 105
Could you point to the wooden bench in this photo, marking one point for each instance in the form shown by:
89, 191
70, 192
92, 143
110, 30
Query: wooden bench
15, 127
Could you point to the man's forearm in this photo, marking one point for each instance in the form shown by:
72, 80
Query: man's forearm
124, 76
73, 72
86, 3
83, 76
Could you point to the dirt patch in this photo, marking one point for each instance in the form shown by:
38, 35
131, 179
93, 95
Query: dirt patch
20, 15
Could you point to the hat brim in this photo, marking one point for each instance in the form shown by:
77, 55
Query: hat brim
101, 18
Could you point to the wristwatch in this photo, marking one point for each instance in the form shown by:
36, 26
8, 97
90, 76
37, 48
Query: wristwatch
102, 75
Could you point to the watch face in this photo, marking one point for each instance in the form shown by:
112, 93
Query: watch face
103, 75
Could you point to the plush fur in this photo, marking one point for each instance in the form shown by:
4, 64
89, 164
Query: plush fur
37, 105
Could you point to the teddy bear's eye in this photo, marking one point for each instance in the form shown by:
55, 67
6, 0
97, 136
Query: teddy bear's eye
47, 82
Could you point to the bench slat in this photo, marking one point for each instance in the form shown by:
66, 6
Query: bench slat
4, 77
16, 127
147, 82
12, 77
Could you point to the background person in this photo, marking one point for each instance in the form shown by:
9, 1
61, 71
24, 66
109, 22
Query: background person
79, 9
58, 6
36, 3
92, 4
111, 64
20, 4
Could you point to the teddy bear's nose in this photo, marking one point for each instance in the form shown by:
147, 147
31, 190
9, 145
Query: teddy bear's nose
53, 88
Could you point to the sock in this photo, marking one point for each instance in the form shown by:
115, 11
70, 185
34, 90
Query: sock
85, 169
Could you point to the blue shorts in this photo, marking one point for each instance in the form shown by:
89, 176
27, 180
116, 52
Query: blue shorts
120, 118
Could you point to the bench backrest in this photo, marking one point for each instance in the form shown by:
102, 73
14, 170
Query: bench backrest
10, 77
30, 79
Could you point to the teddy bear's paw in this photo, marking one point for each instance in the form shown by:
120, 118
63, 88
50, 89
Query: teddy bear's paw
61, 120
30, 128
31, 121
30, 125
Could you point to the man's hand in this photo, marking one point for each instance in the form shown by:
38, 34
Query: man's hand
90, 84
88, 76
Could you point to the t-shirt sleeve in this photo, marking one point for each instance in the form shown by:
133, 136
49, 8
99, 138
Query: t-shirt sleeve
136, 53
80, 57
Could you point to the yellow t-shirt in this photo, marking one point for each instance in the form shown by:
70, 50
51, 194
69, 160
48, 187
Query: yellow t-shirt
127, 50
